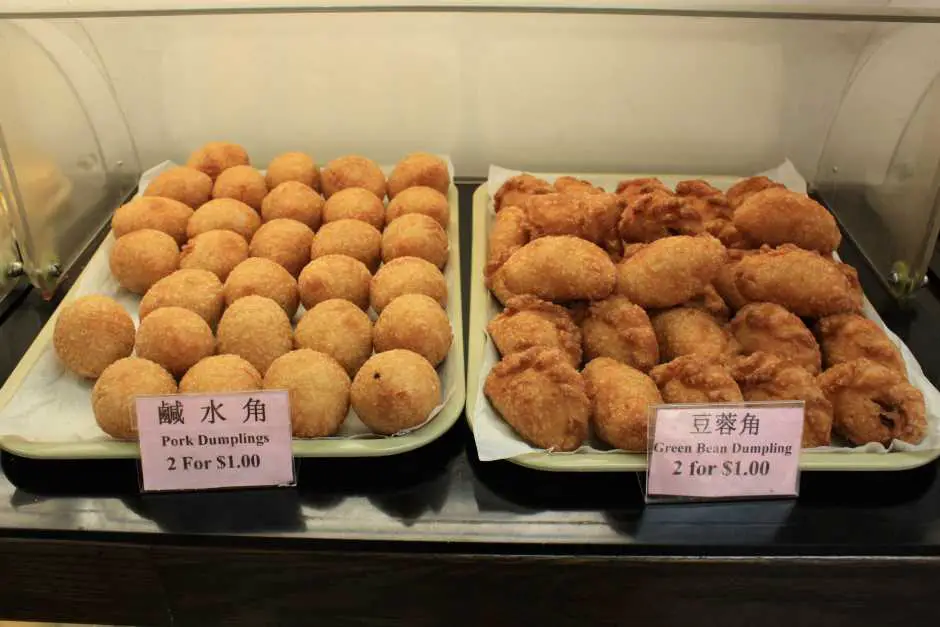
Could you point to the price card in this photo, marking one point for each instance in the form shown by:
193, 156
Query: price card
209, 441
725, 451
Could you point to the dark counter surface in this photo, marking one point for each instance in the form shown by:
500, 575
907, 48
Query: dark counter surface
403, 519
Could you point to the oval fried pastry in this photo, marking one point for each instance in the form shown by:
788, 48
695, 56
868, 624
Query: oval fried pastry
695, 379
542, 397
517, 189
772, 329
556, 268
778, 216
620, 399
803, 281
616, 328
690, 331
873, 403
670, 271
509, 233
589, 216
845, 337
724, 282
744, 189
528, 321
766, 377
656, 215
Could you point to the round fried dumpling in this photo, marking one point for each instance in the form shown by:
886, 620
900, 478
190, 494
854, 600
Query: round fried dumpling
293, 166
216, 157
217, 251
352, 171
338, 328
419, 169
616, 328
91, 333
355, 238
160, 214
778, 216
873, 403
293, 201
286, 242
423, 200
242, 183
670, 271
528, 321
696, 379
187, 185
319, 391
335, 276
257, 329
542, 397
406, 275
415, 235
555, 268
141, 258
417, 323
115, 391
690, 331
174, 338
620, 400
355, 203
220, 373
394, 391
224, 213
772, 329
199, 291
263, 277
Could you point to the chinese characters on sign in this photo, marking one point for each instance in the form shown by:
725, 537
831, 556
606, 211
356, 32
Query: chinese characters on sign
725, 451
206, 441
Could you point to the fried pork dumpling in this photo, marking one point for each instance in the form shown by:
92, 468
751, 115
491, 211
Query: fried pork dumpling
766, 377
518, 189
620, 400
695, 379
846, 337
419, 169
216, 157
803, 281
772, 329
873, 403
352, 171
528, 321
542, 397
616, 328
670, 271
556, 268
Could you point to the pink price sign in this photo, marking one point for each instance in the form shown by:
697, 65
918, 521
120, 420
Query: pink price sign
725, 451
210, 441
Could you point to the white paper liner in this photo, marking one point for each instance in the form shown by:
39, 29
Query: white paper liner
495, 439
53, 406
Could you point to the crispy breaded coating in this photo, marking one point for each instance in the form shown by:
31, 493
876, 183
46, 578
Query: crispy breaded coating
631, 188
724, 282
542, 397
352, 171
218, 251
846, 337
224, 213
295, 167
802, 281
319, 391
415, 235
115, 391
766, 377
657, 215
214, 158
695, 379
589, 216
616, 328
557, 268
670, 271
517, 189
187, 185
334, 276
256, 329
508, 233
778, 216
263, 277
873, 403
415, 322
174, 338
355, 203
294, 201
690, 331
528, 321
151, 212
394, 391
406, 275
769, 328
285, 242
220, 373
745, 188
572, 185
620, 400
243, 183
199, 291
141, 258
353, 238
425, 200
338, 328
419, 169
91, 333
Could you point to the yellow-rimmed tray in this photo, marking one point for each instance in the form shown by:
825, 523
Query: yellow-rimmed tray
451, 371
617, 461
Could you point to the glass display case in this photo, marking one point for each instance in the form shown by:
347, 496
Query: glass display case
844, 90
